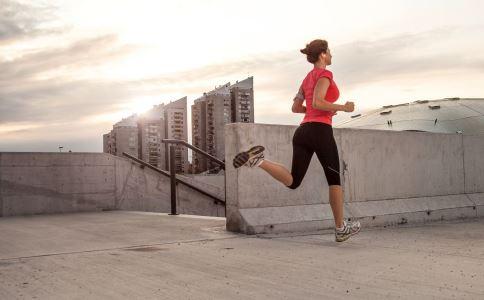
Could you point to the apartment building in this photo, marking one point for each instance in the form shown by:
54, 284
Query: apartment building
176, 128
122, 138
242, 101
199, 120
142, 135
151, 129
225, 104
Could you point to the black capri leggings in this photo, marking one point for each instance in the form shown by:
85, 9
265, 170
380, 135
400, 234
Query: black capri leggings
313, 137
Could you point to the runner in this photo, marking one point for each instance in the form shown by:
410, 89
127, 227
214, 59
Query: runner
315, 134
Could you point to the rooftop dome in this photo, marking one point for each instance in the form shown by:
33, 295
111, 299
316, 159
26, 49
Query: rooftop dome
449, 115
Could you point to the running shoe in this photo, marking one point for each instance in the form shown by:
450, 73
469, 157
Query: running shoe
350, 228
250, 158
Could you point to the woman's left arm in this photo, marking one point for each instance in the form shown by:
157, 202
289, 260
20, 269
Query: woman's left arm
297, 105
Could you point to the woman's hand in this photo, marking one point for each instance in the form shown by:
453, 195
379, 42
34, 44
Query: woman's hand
349, 106
300, 109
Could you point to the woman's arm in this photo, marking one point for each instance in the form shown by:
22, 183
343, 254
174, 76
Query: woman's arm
297, 105
319, 94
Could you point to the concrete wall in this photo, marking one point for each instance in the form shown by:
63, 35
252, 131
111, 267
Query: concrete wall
37, 183
387, 177
214, 184
217, 180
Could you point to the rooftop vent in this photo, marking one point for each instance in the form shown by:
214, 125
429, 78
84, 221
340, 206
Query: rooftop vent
387, 112
434, 106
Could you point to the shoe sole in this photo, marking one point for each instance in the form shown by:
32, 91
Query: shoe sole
243, 157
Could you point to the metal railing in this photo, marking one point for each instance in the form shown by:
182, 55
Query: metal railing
174, 180
171, 143
198, 150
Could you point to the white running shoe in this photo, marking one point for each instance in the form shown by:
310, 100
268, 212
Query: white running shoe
250, 158
350, 228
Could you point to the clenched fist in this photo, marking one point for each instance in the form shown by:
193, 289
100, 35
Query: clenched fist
349, 106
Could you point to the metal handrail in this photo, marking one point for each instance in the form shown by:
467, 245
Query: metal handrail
178, 180
172, 167
213, 158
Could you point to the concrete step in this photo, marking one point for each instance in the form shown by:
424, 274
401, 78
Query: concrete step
389, 212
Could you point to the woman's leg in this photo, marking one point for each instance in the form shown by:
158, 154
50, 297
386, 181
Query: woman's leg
327, 152
278, 171
331, 170
336, 202
301, 157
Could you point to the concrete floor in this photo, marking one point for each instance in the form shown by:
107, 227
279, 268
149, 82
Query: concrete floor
135, 255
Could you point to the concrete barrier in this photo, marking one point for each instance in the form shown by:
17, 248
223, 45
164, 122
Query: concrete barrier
39, 183
388, 178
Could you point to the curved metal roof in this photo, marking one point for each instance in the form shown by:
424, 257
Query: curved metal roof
450, 115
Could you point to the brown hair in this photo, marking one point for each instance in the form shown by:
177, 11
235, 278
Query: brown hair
314, 49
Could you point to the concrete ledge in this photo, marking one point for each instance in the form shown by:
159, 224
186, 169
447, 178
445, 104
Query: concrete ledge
370, 213
46, 183
413, 210
37, 183
398, 206
286, 218
388, 178
478, 200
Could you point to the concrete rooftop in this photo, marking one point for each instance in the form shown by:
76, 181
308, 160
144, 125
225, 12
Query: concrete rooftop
139, 255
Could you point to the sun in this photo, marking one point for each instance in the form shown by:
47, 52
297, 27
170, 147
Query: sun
140, 105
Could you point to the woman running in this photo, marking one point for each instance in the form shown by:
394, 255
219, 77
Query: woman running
315, 134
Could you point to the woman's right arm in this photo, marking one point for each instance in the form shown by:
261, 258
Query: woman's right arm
320, 93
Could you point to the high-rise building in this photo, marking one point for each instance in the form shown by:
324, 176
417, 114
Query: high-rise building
151, 130
199, 140
242, 101
218, 114
225, 104
122, 138
142, 135
176, 128
108, 143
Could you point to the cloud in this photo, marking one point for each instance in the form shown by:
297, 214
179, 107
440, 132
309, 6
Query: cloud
408, 55
25, 95
277, 75
58, 84
85, 53
355, 64
18, 20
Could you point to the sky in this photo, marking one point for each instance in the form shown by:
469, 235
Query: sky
69, 70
